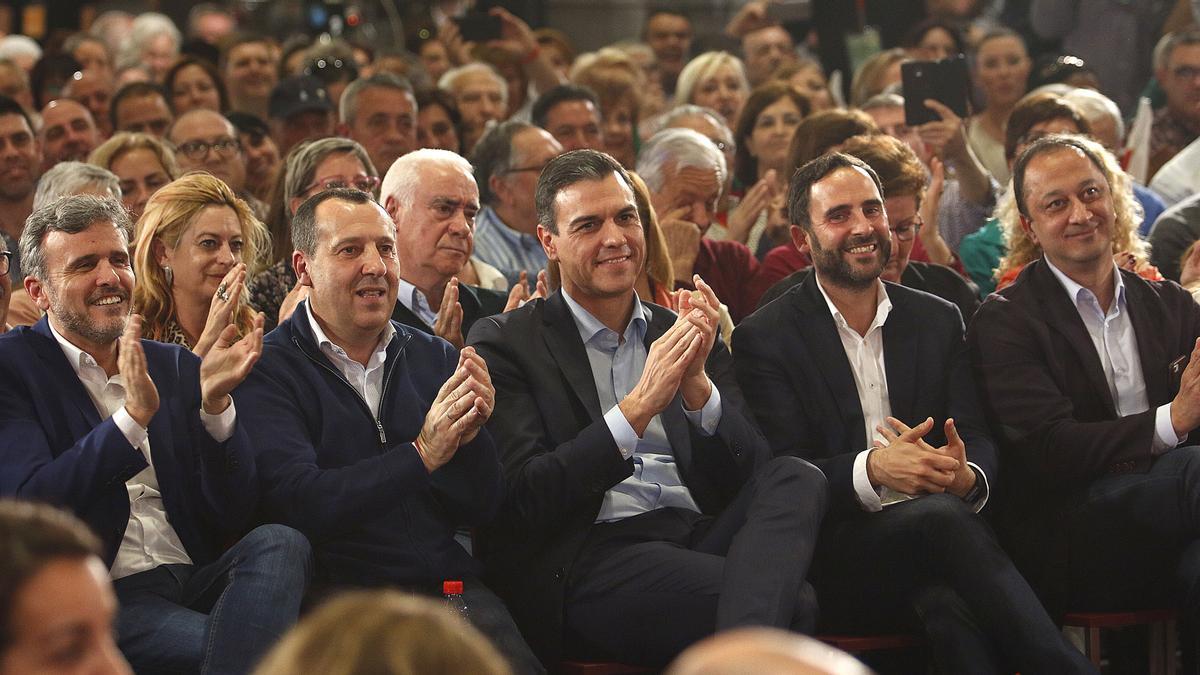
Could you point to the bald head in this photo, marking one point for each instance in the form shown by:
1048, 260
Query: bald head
68, 132
764, 651
205, 141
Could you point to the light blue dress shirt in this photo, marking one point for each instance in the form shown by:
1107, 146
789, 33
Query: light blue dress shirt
412, 298
506, 249
617, 361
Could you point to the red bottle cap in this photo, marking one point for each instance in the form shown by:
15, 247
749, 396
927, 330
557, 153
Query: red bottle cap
452, 587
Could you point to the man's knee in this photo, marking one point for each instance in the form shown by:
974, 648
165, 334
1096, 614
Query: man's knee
941, 515
798, 478
282, 545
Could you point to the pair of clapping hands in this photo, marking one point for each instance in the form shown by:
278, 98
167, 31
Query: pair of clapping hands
675, 363
225, 359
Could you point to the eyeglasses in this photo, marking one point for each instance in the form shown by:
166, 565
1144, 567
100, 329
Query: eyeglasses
360, 183
1185, 73
198, 150
906, 231
5, 262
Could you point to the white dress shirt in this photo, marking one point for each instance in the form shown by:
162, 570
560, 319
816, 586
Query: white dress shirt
366, 380
865, 354
1116, 344
149, 539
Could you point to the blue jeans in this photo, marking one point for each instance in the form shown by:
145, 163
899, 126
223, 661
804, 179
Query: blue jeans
220, 618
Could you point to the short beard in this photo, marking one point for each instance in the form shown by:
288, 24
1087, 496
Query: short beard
834, 268
79, 324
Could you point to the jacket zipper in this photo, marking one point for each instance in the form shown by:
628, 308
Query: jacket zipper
387, 377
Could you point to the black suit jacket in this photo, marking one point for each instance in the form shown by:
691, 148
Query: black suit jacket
476, 303
1044, 389
793, 368
932, 278
560, 458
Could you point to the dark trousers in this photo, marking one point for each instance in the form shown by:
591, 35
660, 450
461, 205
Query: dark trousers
646, 587
1129, 541
933, 565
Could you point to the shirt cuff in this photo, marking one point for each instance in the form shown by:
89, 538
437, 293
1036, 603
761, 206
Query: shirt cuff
622, 431
708, 416
1164, 432
219, 426
868, 497
984, 488
134, 433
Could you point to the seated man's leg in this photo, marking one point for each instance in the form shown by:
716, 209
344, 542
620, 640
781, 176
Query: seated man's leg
767, 536
872, 565
488, 613
155, 631
637, 595
251, 594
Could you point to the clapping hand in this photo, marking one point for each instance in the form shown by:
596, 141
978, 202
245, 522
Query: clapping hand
221, 308
463, 404
450, 316
141, 396
227, 364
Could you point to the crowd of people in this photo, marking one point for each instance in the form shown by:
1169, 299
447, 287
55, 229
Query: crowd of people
625, 354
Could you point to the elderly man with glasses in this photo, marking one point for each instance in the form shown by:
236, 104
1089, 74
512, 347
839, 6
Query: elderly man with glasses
508, 161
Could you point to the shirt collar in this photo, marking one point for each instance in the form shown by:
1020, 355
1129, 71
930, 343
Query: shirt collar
323, 341
883, 305
78, 358
1075, 290
410, 296
589, 326
489, 216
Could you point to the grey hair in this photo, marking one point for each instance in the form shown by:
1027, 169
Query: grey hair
71, 214
884, 100
12, 46
348, 106
146, 27
679, 112
1095, 106
450, 77
303, 164
68, 178
568, 169
494, 156
675, 149
1167, 44
402, 179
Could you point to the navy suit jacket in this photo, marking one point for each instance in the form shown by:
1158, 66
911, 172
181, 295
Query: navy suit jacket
54, 447
793, 368
560, 457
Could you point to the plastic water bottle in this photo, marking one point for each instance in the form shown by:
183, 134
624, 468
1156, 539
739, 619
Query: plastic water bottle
452, 591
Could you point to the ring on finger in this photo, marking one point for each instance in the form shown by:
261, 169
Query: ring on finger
223, 292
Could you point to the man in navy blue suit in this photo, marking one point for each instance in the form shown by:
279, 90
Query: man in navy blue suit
836, 369
141, 440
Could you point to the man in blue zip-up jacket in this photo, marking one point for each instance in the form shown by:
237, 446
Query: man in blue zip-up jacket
368, 433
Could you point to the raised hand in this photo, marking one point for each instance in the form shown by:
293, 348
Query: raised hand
945, 137
227, 364
293, 299
461, 407
668, 361
702, 309
516, 37
757, 199
141, 396
907, 464
683, 240
1185, 409
221, 308
450, 316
